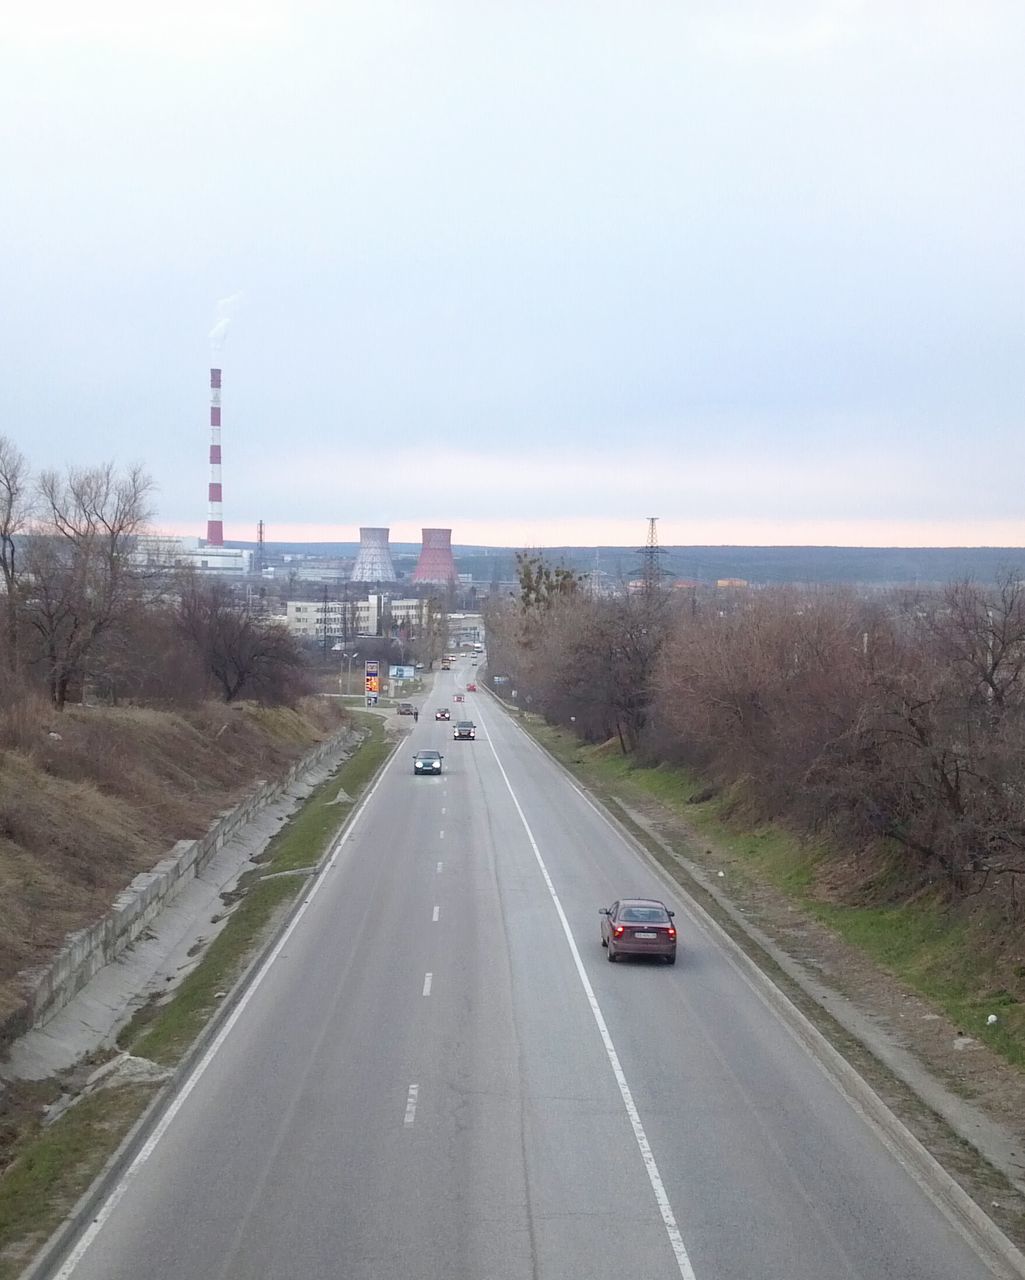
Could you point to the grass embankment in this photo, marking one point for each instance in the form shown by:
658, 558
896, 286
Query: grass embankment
91, 797
50, 1168
955, 956
163, 1033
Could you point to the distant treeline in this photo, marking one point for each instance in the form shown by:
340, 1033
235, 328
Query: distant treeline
852, 566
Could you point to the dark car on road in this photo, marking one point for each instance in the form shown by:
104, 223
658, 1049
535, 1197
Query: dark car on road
464, 729
443, 713
406, 708
638, 927
427, 762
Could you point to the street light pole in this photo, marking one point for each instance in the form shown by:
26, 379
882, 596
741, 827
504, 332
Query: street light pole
348, 671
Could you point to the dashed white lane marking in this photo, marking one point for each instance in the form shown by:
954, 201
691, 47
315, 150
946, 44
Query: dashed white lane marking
443, 810
437, 912
414, 1090
149, 1146
440, 865
428, 979
441, 835
644, 1146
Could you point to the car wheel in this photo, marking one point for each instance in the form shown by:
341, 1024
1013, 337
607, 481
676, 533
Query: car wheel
604, 943
612, 956
671, 959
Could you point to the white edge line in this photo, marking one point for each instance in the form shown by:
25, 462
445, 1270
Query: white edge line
149, 1146
644, 1146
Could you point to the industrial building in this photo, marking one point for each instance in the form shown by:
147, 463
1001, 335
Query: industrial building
346, 619
165, 551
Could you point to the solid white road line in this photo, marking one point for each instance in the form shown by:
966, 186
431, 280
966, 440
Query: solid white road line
410, 1116
428, 979
644, 1146
434, 918
167, 1119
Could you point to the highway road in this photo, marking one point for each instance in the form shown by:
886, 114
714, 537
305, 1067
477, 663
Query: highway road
439, 1077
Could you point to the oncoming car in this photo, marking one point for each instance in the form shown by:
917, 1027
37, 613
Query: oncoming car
443, 713
427, 762
464, 729
638, 927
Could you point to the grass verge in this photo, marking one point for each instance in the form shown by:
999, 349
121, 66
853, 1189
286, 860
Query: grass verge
163, 1033
57, 1165
950, 958
52, 1167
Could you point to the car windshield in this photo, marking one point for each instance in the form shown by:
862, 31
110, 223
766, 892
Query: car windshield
644, 915
428, 755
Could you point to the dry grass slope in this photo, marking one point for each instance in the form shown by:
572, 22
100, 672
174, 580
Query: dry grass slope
84, 811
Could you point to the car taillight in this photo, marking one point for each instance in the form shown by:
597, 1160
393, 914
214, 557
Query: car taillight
619, 930
672, 932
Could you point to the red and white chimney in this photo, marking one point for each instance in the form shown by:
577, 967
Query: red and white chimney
215, 524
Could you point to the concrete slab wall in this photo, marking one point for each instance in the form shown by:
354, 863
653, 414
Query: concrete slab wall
50, 987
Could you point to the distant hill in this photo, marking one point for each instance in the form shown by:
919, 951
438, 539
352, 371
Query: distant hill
868, 566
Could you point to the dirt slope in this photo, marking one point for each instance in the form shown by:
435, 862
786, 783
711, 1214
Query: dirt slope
90, 798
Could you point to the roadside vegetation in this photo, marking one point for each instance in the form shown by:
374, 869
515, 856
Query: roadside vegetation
862, 754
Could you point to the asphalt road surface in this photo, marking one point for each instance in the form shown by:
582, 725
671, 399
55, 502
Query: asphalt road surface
439, 1077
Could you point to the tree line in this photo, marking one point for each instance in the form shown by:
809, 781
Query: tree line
82, 610
888, 722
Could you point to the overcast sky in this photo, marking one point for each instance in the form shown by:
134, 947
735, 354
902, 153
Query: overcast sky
532, 269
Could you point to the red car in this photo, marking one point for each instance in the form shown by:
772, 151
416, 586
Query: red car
471, 688
638, 927
443, 713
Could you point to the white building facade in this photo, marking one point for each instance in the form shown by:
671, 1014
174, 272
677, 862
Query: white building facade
346, 619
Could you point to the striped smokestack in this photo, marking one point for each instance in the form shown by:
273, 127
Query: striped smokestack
214, 524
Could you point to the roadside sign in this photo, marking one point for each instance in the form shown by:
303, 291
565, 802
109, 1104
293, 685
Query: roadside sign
372, 676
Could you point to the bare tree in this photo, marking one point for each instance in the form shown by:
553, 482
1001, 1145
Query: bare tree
241, 651
15, 511
79, 565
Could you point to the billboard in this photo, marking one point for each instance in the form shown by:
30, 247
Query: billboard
401, 673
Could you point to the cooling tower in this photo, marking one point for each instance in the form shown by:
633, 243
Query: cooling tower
373, 561
436, 563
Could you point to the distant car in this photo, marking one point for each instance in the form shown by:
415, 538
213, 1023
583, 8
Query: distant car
443, 713
427, 762
406, 708
445, 667
464, 729
638, 927
471, 688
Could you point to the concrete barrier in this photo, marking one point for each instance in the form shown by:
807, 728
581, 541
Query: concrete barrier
86, 951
